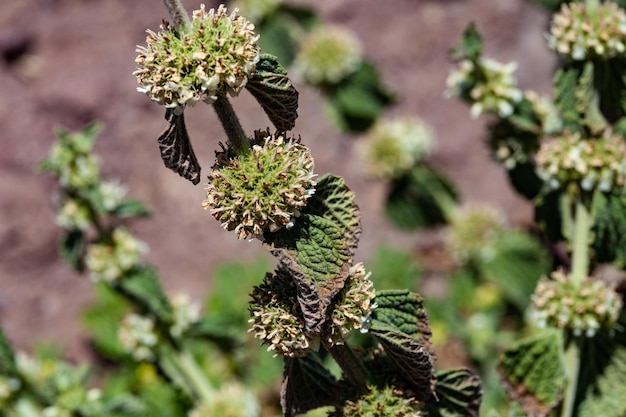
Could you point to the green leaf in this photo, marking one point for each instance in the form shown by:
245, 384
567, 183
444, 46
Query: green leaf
306, 385
318, 250
420, 199
609, 229
131, 207
271, 87
356, 102
72, 247
143, 287
533, 372
471, 44
459, 392
7, 357
125, 405
588, 102
400, 324
602, 378
565, 87
394, 268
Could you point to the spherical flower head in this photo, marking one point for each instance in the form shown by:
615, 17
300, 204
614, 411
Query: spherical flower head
580, 33
488, 85
138, 336
583, 309
231, 400
386, 401
186, 313
473, 232
352, 308
393, 147
277, 318
216, 53
591, 163
109, 261
327, 55
262, 190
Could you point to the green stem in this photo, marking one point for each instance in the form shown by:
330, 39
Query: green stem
350, 364
177, 13
572, 365
190, 368
231, 124
580, 252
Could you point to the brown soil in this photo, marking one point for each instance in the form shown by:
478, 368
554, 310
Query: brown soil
68, 62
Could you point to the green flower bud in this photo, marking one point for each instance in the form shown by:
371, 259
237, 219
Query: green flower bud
473, 232
328, 55
73, 215
588, 162
352, 308
277, 317
231, 400
393, 147
109, 261
583, 309
382, 402
213, 55
581, 34
139, 337
487, 84
262, 190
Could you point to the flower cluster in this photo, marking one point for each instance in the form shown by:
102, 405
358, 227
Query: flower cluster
582, 308
186, 313
262, 190
489, 85
386, 401
591, 163
277, 317
394, 146
112, 194
580, 33
214, 54
328, 55
73, 215
352, 308
546, 111
73, 162
231, 400
473, 232
138, 336
111, 260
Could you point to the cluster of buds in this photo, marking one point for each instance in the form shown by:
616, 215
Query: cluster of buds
473, 232
216, 53
262, 190
278, 320
488, 85
393, 147
110, 261
583, 308
581, 33
73, 215
328, 55
387, 401
186, 313
112, 194
591, 163
72, 161
138, 336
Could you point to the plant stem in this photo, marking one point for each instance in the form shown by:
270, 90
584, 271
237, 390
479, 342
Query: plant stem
351, 366
572, 366
196, 378
231, 124
580, 252
177, 12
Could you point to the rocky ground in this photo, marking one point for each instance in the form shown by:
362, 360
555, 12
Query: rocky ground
68, 62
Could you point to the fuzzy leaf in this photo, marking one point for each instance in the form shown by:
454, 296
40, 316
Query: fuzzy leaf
176, 150
471, 44
565, 87
459, 391
274, 91
318, 250
420, 199
125, 405
400, 324
131, 207
588, 101
72, 247
533, 372
355, 103
7, 357
609, 228
602, 380
143, 287
306, 385
102, 320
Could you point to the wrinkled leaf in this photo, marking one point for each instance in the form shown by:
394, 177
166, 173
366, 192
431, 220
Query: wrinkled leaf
588, 101
176, 150
274, 91
144, 288
306, 385
533, 372
609, 229
459, 391
565, 87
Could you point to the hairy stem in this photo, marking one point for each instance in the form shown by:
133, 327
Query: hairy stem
190, 368
572, 368
231, 124
177, 12
580, 242
350, 364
